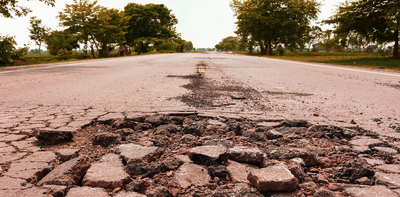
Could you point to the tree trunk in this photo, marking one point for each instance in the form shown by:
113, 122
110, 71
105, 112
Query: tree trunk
262, 47
269, 45
92, 51
396, 45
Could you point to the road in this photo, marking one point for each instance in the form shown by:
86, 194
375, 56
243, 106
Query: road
71, 94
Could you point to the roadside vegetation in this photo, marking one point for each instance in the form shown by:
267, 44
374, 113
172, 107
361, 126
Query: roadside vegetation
366, 32
93, 31
368, 60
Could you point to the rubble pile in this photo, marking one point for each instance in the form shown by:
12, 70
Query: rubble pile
191, 155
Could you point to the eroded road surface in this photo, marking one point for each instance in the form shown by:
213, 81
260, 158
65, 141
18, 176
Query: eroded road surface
354, 112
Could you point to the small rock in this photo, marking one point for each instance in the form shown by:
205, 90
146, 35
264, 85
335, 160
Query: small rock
320, 178
252, 134
133, 153
157, 120
370, 191
373, 162
246, 154
193, 129
363, 181
108, 173
183, 158
326, 193
273, 179
273, 134
87, 192
129, 194
139, 185
67, 154
295, 166
153, 168
68, 173
389, 168
361, 149
56, 190
106, 139
218, 171
209, 155
49, 136
308, 155
192, 174
385, 151
188, 138
324, 162
158, 192
366, 141
390, 180
239, 172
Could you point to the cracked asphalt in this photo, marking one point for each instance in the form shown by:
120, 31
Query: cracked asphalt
70, 95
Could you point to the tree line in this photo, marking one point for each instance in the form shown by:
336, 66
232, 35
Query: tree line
271, 25
100, 30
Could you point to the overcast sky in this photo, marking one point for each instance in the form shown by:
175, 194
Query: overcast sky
204, 22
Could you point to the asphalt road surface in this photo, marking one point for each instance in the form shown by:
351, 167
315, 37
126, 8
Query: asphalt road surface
61, 94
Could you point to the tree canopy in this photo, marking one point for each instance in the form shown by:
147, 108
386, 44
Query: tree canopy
150, 20
38, 32
228, 44
8, 51
9, 8
378, 20
275, 21
58, 40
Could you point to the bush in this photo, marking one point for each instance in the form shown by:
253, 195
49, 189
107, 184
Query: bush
280, 50
79, 55
63, 54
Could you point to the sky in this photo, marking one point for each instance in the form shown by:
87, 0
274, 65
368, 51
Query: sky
204, 22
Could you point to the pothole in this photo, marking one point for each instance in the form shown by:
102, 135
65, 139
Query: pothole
321, 156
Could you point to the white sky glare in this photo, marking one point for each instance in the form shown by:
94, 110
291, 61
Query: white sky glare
204, 22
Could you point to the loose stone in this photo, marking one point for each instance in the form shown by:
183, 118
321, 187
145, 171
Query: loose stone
246, 154
87, 192
68, 173
273, 178
208, 155
192, 174
133, 153
108, 173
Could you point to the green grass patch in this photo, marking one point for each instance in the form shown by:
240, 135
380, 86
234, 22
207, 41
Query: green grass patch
369, 60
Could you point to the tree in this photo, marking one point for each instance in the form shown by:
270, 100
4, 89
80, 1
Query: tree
275, 21
82, 19
9, 8
38, 32
228, 44
149, 21
8, 50
314, 36
111, 31
376, 20
58, 40
189, 46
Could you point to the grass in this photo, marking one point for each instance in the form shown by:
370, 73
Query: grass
369, 60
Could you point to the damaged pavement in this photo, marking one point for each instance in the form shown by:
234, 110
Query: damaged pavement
227, 137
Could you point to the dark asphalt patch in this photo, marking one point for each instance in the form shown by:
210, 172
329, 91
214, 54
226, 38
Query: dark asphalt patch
206, 93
